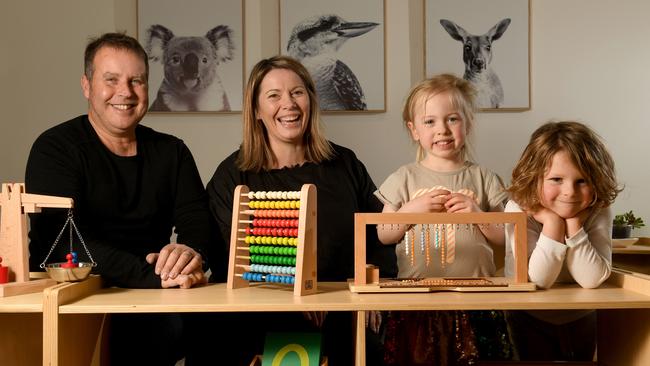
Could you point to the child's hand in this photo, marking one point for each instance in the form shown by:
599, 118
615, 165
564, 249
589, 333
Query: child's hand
574, 224
373, 320
433, 201
459, 202
554, 226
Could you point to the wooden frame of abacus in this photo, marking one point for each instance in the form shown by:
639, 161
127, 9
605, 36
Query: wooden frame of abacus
305, 277
366, 281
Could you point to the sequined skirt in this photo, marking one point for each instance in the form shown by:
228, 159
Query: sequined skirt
446, 337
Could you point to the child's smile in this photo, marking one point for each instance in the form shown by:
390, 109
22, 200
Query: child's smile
440, 130
564, 189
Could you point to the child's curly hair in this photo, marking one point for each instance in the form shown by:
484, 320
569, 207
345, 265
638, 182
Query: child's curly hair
587, 152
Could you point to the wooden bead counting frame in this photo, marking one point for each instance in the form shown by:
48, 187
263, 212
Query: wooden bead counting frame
273, 239
366, 278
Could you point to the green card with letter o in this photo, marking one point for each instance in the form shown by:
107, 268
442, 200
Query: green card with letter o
292, 349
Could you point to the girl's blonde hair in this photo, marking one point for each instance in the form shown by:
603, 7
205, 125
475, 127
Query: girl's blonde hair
255, 153
585, 149
462, 94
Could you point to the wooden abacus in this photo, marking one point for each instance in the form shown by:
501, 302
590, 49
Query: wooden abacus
273, 239
366, 278
16, 204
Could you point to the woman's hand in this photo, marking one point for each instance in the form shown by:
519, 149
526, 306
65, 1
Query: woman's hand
317, 318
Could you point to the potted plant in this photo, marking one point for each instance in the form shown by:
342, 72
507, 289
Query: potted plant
624, 223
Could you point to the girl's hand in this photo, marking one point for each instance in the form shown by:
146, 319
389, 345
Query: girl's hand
459, 202
574, 224
433, 201
554, 226
373, 320
545, 215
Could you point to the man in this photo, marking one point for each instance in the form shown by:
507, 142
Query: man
131, 186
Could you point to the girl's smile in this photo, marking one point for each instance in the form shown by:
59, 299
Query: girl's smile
565, 190
440, 129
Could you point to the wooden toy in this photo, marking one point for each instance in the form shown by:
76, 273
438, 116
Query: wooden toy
443, 226
69, 263
4, 273
16, 204
273, 239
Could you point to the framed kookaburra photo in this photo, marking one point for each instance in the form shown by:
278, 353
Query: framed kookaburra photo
341, 43
195, 52
485, 42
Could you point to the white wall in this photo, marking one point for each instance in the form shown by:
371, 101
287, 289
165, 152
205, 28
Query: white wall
589, 62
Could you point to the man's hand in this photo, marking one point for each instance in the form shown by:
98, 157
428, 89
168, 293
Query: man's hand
185, 281
175, 259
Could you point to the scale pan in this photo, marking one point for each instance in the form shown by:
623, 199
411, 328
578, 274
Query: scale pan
75, 274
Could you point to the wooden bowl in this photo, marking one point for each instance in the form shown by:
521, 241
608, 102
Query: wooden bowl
61, 274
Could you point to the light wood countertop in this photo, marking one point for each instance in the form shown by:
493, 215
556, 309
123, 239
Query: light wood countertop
334, 296
28, 303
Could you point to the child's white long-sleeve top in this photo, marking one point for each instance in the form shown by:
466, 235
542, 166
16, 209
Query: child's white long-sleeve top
586, 258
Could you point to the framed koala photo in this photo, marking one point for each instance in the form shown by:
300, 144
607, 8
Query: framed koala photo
195, 51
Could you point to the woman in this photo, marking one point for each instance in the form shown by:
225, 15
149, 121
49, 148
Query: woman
283, 148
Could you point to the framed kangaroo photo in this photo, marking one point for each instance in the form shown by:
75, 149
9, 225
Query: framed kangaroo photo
341, 43
487, 42
195, 51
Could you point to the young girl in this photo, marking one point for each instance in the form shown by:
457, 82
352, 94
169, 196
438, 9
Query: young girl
439, 116
565, 181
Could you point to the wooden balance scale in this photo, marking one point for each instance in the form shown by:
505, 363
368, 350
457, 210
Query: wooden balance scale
16, 204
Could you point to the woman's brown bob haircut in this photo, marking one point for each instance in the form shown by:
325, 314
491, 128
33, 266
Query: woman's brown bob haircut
255, 153
585, 149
